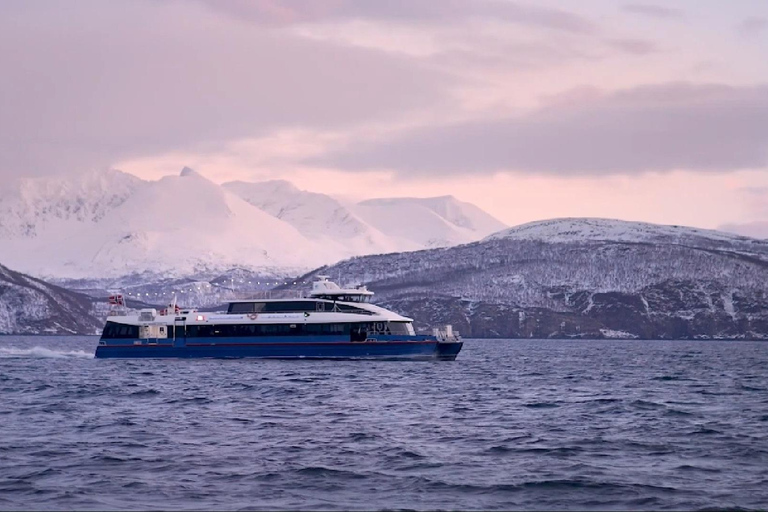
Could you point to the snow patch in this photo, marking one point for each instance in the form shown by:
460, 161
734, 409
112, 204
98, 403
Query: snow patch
618, 335
728, 305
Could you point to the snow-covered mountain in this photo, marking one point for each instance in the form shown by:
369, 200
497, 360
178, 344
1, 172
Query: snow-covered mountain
372, 226
428, 222
580, 277
111, 225
177, 225
318, 217
29, 208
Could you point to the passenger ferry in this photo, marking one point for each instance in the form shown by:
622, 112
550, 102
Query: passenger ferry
331, 323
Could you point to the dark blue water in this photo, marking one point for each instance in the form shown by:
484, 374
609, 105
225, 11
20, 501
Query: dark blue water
508, 425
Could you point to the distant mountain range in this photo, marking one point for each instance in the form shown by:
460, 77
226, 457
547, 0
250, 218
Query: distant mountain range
113, 225
560, 278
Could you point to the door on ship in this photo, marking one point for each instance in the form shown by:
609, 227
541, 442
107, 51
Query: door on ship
180, 332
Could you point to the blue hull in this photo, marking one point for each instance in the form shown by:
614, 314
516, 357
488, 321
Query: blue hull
412, 350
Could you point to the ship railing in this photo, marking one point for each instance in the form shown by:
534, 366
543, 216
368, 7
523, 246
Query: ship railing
446, 334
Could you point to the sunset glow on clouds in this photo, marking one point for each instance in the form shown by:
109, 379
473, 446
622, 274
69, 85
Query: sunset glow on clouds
639, 111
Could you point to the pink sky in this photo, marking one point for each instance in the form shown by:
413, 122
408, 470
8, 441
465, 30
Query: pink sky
635, 110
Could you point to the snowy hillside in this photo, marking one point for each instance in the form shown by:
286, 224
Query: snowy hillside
112, 225
580, 277
584, 229
31, 306
428, 222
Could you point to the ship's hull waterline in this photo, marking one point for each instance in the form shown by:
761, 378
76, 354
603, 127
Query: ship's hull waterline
303, 349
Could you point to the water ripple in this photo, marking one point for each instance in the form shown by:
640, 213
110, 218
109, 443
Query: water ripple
533, 424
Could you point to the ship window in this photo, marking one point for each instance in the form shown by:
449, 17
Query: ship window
313, 329
359, 329
241, 307
245, 307
346, 308
358, 333
400, 328
291, 306
115, 330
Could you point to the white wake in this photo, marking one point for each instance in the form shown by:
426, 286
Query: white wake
42, 352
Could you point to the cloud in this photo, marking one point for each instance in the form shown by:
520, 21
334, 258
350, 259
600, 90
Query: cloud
633, 46
752, 26
282, 12
651, 128
653, 11
88, 83
755, 200
757, 229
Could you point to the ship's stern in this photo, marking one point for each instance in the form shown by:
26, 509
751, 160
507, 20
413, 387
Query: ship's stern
447, 351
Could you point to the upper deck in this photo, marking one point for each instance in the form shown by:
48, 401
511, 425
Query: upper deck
325, 296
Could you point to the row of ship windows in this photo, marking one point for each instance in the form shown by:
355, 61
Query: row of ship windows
357, 330
293, 306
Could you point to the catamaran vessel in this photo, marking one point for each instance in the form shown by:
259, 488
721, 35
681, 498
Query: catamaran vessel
331, 323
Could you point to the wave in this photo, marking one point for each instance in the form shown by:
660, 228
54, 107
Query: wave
43, 353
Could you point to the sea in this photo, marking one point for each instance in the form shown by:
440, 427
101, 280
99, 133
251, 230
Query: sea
509, 425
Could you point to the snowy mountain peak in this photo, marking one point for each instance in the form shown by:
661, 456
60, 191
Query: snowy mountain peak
317, 216
188, 171
429, 221
28, 207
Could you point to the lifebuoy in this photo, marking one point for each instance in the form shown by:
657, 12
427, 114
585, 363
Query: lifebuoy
253, 316
379, 326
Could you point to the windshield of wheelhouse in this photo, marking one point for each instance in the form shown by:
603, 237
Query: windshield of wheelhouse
285, 306
347, 298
